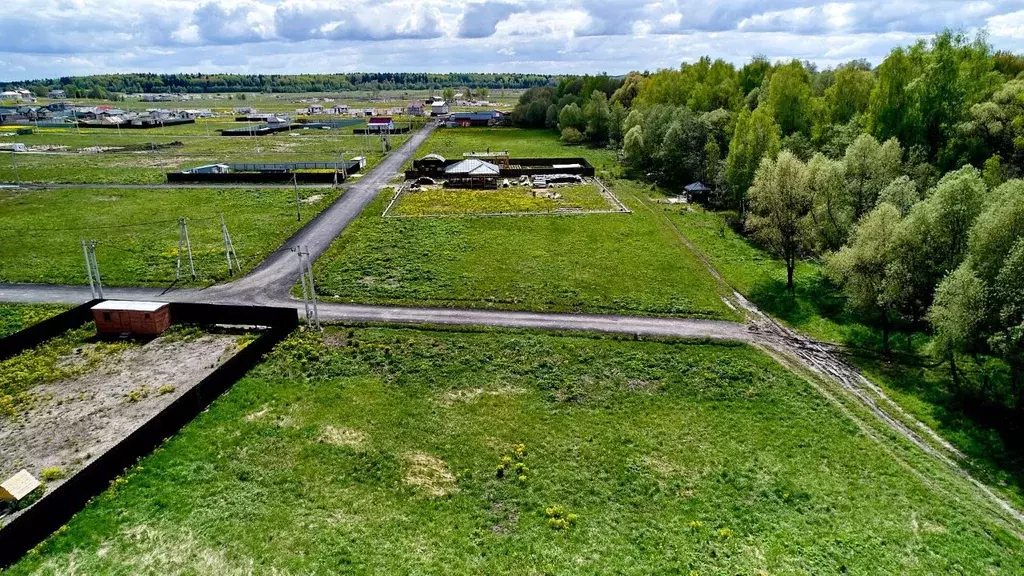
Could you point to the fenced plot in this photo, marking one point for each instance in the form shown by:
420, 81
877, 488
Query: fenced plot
588, 197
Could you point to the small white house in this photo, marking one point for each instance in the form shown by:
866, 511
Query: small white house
439, 108
57, 94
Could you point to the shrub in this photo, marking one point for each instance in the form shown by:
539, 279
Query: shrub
571, 136
52, 473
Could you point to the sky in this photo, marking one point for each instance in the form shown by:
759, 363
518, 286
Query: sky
49, 38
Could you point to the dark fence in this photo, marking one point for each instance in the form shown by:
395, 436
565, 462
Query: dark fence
404, 130
515, 167
257, 178
37, 522
140, 126
261, 130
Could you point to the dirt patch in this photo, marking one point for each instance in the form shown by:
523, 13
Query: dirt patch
471, 394
104, 198
76, 419
429, 475
254, 416
148, 549
313, 199
341, 436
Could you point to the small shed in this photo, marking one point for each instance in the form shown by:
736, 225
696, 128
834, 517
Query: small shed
131, 317
696, 190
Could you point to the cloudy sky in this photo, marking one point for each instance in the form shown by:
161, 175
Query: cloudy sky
45, 38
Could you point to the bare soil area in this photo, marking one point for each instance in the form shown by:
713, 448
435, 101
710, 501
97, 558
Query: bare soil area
76, 419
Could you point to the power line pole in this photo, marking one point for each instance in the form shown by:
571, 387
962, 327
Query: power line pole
96, 268
298, 204
184, 244
229, 248
88, 268
92, 268
302, 279
312, 290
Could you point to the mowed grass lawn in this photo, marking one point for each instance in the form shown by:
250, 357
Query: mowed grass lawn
137, 231
513, 200
601, 263
376, 451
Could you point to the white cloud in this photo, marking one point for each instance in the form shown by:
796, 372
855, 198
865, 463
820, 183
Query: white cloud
61, 37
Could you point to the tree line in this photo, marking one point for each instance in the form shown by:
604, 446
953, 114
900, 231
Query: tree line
904, 179
105, 85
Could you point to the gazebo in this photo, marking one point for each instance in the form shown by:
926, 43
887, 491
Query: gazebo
695, 189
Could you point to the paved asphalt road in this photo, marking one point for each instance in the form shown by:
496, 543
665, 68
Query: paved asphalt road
646, 326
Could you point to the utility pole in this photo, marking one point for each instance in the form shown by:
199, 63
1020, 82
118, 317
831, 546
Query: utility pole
298, 203
92, 268
308, 293
312, 290
302, 278
184, 244
229, 248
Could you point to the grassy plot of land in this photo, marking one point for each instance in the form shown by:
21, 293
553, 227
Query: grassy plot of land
988, 434
385, 451
514, 200
17, 317
139, 166
137, 231
588, 263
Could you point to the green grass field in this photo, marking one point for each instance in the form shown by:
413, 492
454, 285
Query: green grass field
137, 231
200, 145
16, 317
989, 437
513, 200
605, 263
378, 453
817, 308
608, 263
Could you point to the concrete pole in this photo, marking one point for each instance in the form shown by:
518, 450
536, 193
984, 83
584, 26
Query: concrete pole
96, 268
88, 268
312, 290
302, 277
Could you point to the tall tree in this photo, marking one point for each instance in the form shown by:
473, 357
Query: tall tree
849, 95
870, 167
598, 117
756, 137
780, 201
862, 267
788, 98
955, 317
831, 214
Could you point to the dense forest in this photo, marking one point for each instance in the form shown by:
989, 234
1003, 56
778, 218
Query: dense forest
904, 180
100, 86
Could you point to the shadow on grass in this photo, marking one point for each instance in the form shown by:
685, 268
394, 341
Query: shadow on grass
988, 432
